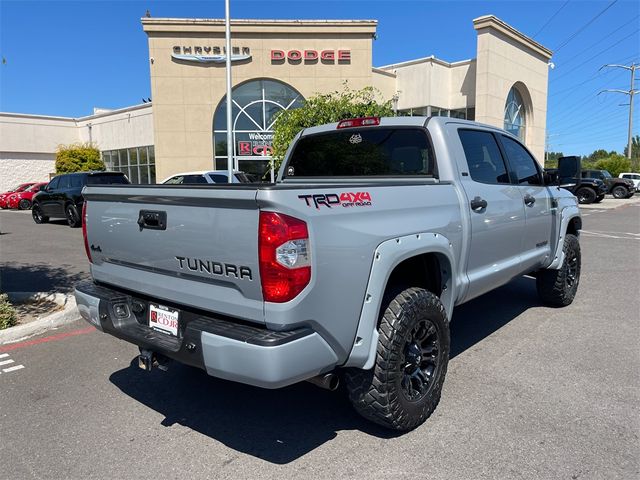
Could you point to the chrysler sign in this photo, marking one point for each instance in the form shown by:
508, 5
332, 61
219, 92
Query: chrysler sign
208, 54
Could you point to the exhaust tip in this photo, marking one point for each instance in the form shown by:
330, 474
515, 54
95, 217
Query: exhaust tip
328, 381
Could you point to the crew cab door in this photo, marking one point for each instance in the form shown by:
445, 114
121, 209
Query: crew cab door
539, 212
496, 213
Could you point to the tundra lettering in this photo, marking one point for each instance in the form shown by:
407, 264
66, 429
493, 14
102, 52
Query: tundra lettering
214, 268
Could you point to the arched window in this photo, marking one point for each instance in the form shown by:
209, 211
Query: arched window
255, 105
515, 114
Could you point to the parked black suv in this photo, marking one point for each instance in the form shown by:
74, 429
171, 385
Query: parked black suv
618, 187
62, 197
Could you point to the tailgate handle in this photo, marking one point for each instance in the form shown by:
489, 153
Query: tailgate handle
152, 219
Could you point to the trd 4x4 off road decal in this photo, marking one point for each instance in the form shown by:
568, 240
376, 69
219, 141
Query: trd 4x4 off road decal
345, 199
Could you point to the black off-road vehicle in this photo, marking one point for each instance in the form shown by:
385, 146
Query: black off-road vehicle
618, 187
586, 190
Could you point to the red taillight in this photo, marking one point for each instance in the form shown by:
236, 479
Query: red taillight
359, 122
283, 249
84, 230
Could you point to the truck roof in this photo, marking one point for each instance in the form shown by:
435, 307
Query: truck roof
418, 121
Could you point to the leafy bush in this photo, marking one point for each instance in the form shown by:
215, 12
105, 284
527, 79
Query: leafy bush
79, 157
615, 164
325, 108
8, 316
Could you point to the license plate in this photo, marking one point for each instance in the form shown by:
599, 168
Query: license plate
163, 319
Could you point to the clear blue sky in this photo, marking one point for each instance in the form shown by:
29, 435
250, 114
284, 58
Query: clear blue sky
64, 58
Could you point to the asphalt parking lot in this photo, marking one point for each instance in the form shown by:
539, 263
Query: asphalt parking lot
531, 392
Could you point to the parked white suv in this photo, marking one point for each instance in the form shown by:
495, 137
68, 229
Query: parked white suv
634, 177
203, 177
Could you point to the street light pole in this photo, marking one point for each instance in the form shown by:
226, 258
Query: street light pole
227, 34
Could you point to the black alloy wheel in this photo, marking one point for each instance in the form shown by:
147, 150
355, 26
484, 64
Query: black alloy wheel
73, 218
557, 288
421, 360
619, 192
24, 204
585, 195
405, 384
38, 216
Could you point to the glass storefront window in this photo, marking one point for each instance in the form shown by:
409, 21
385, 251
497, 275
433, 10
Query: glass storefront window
515, 114
137, 163
256, 105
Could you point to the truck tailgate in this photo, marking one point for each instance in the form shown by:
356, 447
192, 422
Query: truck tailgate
197, 246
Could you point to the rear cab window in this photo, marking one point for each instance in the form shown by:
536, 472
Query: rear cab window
363, 152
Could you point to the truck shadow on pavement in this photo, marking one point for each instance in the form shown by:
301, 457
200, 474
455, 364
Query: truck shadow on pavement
280, 426
16, 277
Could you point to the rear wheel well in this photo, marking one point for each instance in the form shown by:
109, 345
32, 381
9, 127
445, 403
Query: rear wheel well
423, 271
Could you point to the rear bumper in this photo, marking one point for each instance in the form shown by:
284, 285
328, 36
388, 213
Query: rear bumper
224, 347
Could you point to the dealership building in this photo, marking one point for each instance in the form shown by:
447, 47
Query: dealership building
276, 65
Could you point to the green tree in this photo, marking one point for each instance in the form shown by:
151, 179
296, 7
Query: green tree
635, 153
599, 154
615, 164
78, 157
325, 108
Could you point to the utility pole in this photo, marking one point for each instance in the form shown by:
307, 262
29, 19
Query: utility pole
547, 145
631, 92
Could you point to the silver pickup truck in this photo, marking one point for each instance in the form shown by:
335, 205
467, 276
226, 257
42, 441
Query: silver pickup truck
348, 267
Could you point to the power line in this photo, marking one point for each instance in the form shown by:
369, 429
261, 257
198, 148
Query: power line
595, 55
599, 41
573, 87
581, 29
549, 21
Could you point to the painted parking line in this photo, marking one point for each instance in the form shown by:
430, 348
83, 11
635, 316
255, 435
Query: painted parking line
616, 235
13, 369
8, 361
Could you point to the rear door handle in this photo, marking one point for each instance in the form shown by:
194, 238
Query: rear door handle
529, 200
478, 204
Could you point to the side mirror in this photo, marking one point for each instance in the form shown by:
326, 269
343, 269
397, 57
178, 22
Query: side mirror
569, 171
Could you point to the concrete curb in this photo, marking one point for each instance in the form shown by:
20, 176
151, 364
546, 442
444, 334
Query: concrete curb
57, 319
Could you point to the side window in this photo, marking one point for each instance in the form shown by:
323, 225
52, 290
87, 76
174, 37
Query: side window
522, 162
53, 184
218, 178
76, 181
177, 180
64, 182
484, 159
194, 179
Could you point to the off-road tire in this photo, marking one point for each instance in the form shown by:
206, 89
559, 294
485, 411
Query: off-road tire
619, 192
585, 195
598, 199
38, 216
557, 288
378, 394
24, 204
72, 215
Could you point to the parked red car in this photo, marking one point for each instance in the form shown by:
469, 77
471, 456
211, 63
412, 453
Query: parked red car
23, 200
20, 188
